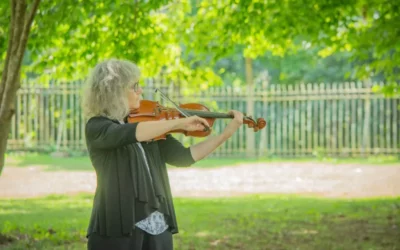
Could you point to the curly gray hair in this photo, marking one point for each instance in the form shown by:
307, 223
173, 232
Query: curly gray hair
106, 90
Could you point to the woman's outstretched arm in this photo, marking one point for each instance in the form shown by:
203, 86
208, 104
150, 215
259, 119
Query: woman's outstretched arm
206, 147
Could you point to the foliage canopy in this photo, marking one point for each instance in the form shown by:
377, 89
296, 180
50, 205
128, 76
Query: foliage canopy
366, 29
187, 38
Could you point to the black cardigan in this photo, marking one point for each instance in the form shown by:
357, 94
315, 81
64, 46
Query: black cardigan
124, 193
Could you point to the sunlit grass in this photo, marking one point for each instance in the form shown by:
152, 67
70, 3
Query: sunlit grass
251, 222
82, 163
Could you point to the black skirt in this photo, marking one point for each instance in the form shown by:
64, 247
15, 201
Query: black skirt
139, 240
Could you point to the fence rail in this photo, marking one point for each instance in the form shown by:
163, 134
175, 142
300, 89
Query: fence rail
336, 119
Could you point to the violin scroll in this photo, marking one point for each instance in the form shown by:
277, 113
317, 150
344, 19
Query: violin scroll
255, 125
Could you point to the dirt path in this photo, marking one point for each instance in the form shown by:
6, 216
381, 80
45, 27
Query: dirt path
328, 180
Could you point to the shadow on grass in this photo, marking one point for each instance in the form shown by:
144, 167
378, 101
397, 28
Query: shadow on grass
44, 223
250, 222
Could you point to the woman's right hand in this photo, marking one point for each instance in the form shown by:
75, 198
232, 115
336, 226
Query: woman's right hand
193, 123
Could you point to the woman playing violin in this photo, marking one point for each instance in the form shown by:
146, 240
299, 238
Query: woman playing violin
133, 206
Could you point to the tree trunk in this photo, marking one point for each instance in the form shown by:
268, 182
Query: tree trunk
21, 20
5, 128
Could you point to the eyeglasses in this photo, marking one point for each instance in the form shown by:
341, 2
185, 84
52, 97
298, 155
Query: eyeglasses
136, 86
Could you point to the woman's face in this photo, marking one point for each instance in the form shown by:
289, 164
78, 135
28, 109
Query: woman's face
134, 96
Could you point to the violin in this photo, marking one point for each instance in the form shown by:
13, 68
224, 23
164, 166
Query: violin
153, 111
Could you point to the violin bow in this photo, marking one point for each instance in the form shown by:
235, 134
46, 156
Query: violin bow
177, 107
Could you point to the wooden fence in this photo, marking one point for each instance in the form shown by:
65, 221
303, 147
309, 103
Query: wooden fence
338, 119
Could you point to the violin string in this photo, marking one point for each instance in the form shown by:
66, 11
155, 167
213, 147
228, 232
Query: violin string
176, 106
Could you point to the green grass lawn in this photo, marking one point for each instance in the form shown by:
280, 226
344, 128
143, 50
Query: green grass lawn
82, 163
251, 223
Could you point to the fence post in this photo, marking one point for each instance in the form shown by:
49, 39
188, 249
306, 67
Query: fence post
250, 137
365, 148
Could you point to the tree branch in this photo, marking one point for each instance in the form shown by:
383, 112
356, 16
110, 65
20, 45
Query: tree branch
18, 25
25, 32
9, 48
32, 14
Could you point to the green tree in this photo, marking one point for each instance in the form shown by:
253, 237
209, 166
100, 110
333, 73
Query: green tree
292, 68
367, 29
